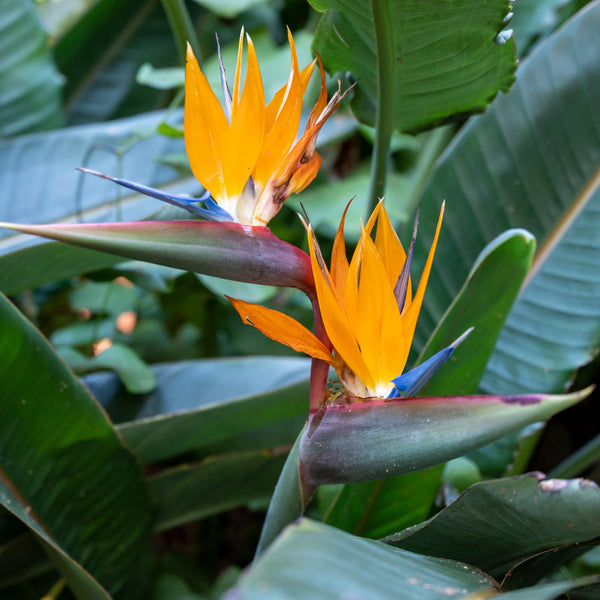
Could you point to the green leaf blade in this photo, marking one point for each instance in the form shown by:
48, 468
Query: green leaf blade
446, 60
304, 562
531, 161
63, 470
30, 85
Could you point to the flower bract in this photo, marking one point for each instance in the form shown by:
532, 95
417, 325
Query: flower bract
368, 310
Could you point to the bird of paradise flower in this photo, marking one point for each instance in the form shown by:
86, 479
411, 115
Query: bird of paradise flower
368, 309
246, 154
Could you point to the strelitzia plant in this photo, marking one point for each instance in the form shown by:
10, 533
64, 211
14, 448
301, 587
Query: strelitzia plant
373, 425
246, 154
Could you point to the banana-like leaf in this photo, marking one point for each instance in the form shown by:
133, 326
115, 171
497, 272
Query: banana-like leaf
483, 303
445, 58
191, 492
532, 160
64, 471
522, 526
376, 439
30, 84
210, 406
227, 250
312, 561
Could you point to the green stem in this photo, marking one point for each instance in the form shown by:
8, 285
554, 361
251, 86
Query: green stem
291, 496
579, 461
384, 116
182, 28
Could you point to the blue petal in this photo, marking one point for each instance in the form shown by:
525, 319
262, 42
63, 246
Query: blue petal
212, 212
410, 383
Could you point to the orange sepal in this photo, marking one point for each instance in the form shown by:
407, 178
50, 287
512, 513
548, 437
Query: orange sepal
206, 129
282, 329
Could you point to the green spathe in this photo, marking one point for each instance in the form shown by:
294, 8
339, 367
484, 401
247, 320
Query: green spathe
361, 441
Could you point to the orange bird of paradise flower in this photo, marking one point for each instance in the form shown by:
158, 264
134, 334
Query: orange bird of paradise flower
368, 310
246, 154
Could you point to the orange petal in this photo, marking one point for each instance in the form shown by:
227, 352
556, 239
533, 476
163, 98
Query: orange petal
319, 107
334, 318
205, 129
281, 328
247, 127
282, 121
412, 314
389, 246
339, 260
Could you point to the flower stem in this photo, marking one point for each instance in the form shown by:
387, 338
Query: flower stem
384, 116
182, 28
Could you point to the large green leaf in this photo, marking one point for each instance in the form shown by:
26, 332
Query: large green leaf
36, 265
513, 522
216, 405
361, 441
64, 471
39, 183
30, 85
99, 46
483, 303
531, 161
374, 509
312, 561
193, 491
447, 58
534, 19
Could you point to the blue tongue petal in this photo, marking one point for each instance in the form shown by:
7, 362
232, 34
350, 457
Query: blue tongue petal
410, 383
212, 211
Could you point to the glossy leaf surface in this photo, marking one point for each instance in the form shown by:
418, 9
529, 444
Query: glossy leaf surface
264, 402
515, 524
531, 161
374, 509
190, 492
376, 439
64, 471
448, 58
483, 303
30, 85
304, 562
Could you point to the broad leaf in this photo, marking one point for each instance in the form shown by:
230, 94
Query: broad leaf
288, 502
210, 406
360, 441
64, 471
514, 522
483, 303
30, 85
40, 182
447, 58
310, 560
36, 265
374, 509
191, 492
531, 161
99, 48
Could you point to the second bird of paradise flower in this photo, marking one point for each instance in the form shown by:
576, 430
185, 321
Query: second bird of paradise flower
368, 309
